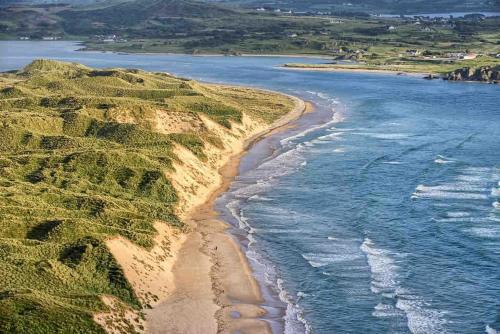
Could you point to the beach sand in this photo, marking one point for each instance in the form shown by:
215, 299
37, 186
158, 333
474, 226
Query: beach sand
354, 70
212, 278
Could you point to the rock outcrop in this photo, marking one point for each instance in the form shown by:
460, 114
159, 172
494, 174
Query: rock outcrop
482, 74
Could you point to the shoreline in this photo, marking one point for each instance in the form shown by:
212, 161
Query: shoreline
215, 289
278, 55
357, 70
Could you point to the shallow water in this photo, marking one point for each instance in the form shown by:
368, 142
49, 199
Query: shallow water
379, 213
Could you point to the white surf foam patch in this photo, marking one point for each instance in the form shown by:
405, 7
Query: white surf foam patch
440, 159
421, 320
382, 310
339, 150
454, 220
385, 282
496, 205
383, 268
259, 198
457, 214
436, 193
392, 162
490, 330
234, 209
294, 316
384, 136
492, 232
318, 260
337, 117
294, 319
454, 187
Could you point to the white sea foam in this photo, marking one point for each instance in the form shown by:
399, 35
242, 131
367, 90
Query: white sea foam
454, 187
490, 330
330, 137
318, 260
453, 220
385, 282
421, 319
339, 150
337, 117
496, 205
392, 162
440, 159
294, 317
259, 198
492, 232
452, 191
278, 231
384, 136
457, 214
383, 267
382, 310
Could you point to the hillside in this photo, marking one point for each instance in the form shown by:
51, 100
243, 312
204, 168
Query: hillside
377, 6
373, 6
90, 156
194, 27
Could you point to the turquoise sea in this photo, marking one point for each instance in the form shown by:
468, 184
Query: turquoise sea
378, 213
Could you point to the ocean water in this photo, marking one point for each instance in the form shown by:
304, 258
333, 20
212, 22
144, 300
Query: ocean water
378, 213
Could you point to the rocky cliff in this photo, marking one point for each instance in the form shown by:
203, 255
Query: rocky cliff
482, 74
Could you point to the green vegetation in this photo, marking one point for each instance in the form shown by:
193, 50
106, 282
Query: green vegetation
85, 156
374, 6
423, 66
365, 42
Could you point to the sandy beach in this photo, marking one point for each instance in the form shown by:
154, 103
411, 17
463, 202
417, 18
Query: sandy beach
215, 290
354, 70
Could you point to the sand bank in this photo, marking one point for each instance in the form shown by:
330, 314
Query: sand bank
354, 70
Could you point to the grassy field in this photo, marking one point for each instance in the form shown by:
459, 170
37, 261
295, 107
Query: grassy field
422, 66
199, 28
85, 156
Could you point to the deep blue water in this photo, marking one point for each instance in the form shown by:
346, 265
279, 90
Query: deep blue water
378, 213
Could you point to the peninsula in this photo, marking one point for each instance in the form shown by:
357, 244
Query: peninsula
104, 176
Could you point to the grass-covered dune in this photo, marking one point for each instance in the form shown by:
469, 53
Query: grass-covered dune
86, 155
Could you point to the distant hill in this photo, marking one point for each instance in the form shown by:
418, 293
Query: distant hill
140, 18
377, 6
143, 18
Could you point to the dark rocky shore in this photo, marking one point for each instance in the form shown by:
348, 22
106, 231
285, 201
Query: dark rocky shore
481, 74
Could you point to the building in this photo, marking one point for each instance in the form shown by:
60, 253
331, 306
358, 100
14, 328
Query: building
470, 56
413, 52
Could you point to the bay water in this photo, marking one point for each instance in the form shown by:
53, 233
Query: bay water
377, 213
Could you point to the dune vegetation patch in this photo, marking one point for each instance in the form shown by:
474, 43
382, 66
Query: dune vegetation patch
85, 156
